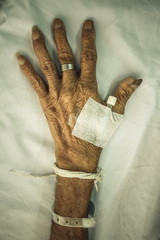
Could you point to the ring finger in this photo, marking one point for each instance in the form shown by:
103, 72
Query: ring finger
63, 48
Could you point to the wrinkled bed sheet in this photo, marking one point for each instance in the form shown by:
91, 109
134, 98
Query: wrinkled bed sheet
128, 36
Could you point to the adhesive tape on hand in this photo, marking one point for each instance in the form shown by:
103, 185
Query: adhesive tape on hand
96, 123
111, 100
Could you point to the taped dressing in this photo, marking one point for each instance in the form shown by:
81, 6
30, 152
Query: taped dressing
96, 123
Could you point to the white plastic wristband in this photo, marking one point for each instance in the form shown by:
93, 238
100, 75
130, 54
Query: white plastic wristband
74, 222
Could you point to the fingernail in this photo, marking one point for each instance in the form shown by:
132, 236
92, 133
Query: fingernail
88, 25
57, 23
136, 83
20, 59
35, 33
140, 80
18, 54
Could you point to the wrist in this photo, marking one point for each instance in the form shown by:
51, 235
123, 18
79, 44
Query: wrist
78, 157
73, 194
72, 197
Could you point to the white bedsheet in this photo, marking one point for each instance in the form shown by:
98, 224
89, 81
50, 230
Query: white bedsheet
128, 35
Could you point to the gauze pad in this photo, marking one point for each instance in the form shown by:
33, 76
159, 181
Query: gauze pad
96, 123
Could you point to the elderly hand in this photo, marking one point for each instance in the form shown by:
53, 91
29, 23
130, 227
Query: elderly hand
66, 95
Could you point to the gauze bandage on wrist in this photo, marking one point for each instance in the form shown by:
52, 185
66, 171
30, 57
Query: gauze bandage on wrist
96, 123
97, 177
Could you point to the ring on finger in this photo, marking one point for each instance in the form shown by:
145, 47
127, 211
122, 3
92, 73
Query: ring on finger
66, 66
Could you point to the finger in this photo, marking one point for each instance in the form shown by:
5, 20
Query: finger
124, 92
63, 48
88, 54
46, 63
32, 75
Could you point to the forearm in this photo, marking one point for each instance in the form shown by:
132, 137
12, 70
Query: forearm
72, 198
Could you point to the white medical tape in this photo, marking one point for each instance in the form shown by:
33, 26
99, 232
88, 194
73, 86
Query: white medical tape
74, 222
96, 123
111, 100
97, 177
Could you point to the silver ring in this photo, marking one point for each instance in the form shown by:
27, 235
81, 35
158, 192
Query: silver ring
66, 66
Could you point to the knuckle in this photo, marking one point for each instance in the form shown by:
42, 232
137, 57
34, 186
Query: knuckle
87, 41
65, 56
89, 55
28, 71
38, 46
31, 76
88, 35
47, 64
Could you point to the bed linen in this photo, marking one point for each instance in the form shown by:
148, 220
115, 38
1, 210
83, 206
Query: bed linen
128, 33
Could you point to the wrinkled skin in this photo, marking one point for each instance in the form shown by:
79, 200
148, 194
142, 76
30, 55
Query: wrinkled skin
65, 96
